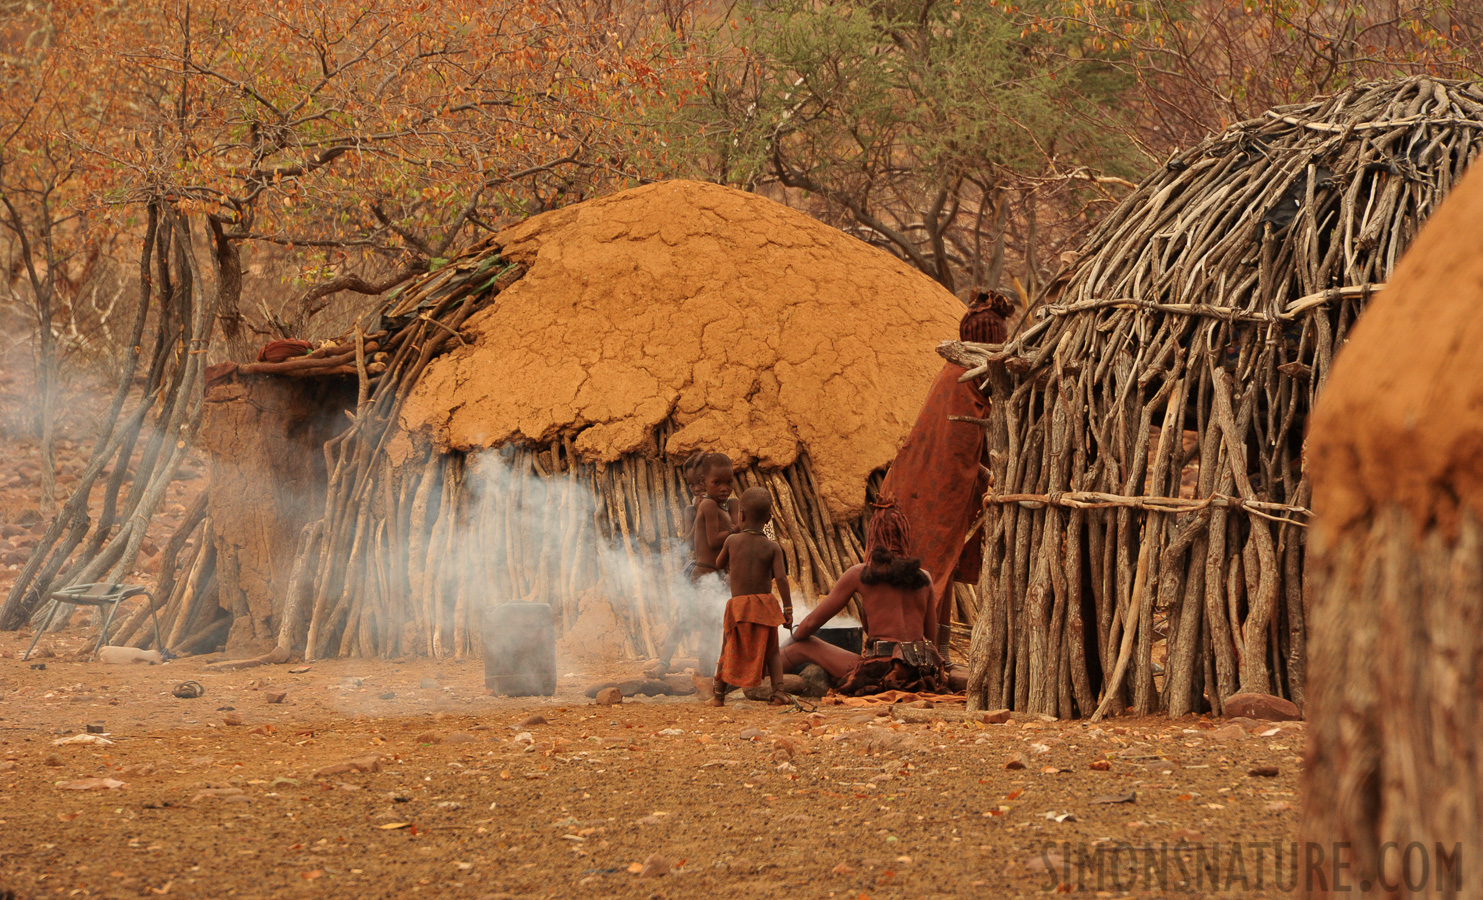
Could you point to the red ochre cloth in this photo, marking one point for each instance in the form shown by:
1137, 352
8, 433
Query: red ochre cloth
750, 633
935, 477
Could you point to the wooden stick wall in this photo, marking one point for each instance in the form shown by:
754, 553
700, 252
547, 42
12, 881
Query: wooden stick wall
1146, 529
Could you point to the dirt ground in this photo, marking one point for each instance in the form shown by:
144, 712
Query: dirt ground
463, 800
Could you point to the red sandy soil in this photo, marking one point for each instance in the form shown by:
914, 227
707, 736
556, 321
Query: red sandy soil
748, 800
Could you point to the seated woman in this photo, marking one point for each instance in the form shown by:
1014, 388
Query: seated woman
896, 604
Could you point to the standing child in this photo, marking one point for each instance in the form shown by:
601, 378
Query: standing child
712, 521
749, 643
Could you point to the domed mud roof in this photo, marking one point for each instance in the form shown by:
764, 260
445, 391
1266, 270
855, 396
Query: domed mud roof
752, 328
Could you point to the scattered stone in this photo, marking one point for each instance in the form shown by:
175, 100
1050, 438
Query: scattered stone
532, 721
1278, 806
215, 793
389, 695
654, 866
263, 730
920, 704
143, 768
1187, 835
351, 682
1160, 766
1016, 762
52, 759
1129, 797
359, 764
92, 784
609, 697
1099, 765
752, 734
276, 696
1228, 733
97, 728
299, 670
428, 737
997, 717
842, 869
1263, 771
231, 719
1262, 706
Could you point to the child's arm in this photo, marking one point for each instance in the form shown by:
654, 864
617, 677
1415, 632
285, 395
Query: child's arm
713, 530
723, 559
780, 577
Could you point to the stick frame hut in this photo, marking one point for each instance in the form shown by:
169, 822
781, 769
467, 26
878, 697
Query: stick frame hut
1146, 435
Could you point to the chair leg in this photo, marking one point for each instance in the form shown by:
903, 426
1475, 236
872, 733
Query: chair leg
103, 632
159, 643
52, 611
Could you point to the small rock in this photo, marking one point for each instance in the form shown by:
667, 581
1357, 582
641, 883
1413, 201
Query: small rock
1099, 765
532, 721
1262, 706
215, 794
752, 734
997, 717
609, 697
276, 696
1016, 762
654, 866
52, 759
1263, 771
92, 784
842, 869
359, 764
920, 704
97, 728
351, 682
428, 737
1279, 806
389, 695
1228, 733
231, 719
429, 684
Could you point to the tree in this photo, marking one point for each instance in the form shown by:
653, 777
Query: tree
1201, 65
942, 132
370, 138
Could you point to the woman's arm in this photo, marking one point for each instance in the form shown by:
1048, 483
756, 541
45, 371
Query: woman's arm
844, 589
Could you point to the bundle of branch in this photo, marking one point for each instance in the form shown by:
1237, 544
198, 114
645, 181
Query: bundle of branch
76, 548
1146, 529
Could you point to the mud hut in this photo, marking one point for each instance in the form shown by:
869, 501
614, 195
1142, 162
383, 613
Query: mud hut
1147, 523
1397, 573
500, 424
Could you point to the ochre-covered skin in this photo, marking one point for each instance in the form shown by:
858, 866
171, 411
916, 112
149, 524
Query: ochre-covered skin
760, 330
1402, 416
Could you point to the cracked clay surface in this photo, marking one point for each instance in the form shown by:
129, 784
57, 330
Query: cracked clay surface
758, 330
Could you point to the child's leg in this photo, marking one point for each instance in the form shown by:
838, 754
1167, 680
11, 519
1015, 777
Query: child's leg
775, 666
718, 696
